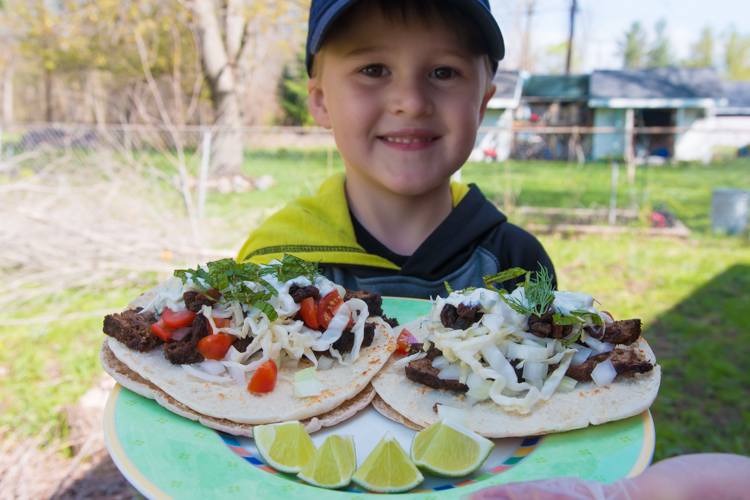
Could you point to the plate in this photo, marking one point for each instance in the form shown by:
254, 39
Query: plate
166, 456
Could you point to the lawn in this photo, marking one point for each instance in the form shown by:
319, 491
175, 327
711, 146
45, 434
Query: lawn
692, 295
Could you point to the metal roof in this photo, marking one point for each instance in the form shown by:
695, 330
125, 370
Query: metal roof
670, 87
738, 98
508, 90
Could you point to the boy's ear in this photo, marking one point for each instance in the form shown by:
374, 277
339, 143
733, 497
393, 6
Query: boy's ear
487, 97
316, 103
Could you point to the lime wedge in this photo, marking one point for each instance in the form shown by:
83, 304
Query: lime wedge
388, 469
448, 449
286, 446
332, 465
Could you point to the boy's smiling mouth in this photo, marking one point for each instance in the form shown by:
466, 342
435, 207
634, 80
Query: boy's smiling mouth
409, 141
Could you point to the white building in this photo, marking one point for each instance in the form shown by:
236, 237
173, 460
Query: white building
499, 114
733, 119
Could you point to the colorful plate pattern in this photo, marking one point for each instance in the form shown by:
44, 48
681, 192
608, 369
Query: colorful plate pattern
166, 456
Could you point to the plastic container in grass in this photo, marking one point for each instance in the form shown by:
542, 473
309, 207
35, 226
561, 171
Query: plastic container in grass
729, 210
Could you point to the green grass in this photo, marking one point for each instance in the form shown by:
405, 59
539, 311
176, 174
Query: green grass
692, 295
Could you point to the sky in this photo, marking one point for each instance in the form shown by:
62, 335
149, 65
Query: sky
600, 24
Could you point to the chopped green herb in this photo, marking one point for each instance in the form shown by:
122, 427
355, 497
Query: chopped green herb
506, 275
293, 267
448, 287
538, 291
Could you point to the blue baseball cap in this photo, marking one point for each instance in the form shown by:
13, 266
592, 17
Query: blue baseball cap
323, 13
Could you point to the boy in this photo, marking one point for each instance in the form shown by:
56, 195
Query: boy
404, 86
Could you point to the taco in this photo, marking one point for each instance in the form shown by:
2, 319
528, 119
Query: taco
531, 362
227, 344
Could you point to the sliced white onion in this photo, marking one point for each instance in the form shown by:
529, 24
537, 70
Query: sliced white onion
456, 415
567, 384
306, 383
534, 370
212, 367
238, 375
324, 362
604, 373
203, 375
479, 388
451, 372
181, 332
440, 362
290, 362
597, 346
405, 361
581, 355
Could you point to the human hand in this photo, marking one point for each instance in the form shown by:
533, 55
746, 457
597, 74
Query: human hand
689, 477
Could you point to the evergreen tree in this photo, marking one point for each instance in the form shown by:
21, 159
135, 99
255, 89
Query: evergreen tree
633, 48
660, 53
293, 93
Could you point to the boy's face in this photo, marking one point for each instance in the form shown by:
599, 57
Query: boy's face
404, 102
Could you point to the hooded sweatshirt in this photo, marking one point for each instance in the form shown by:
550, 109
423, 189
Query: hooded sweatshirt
475, 240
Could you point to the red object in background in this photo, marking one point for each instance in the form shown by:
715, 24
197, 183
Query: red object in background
534, 117
490, 152
658, 219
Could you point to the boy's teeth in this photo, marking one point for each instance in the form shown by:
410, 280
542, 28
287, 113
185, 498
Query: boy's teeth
405, 140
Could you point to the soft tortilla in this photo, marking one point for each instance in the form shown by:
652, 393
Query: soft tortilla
584, 405
228, 401
134, 382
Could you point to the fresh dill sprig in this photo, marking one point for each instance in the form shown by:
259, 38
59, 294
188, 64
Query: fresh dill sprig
448, 287
538, 291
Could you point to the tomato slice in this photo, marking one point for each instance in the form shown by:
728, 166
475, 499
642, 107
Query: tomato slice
264, 378
162, 331
328, 307
214, 346
405, 340
220, 323
177, 319
308, 313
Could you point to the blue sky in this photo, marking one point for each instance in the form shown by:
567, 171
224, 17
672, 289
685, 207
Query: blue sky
600, 24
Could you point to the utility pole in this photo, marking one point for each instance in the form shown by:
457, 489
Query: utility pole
573, 8
526, 59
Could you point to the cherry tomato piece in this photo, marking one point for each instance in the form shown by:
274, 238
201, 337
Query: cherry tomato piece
308, 313
214, 346
405, 340
220, 323
162, 331
609, 314
264, 378
328, 307
177, 319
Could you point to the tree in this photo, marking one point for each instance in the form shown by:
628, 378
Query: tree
701, 52
228, 33
633, 48
737, 56
660, 53
293, 93
554, 59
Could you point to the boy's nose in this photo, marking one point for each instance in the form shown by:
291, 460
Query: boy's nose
410, 97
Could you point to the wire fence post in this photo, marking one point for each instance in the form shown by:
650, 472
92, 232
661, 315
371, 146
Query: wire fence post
205, 160
613, 194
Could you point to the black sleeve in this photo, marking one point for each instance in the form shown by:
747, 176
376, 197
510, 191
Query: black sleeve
514, 247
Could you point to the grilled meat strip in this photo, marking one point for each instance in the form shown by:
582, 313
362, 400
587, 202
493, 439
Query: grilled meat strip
185, 351
626, 363
544, 326
625, 332
132, 329
461, 317
422, 371
194, 301
373, 300
300, 293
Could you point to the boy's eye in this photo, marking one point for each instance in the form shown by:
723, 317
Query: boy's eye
443, 73
374, 70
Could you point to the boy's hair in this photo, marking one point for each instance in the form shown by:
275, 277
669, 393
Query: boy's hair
428, 13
